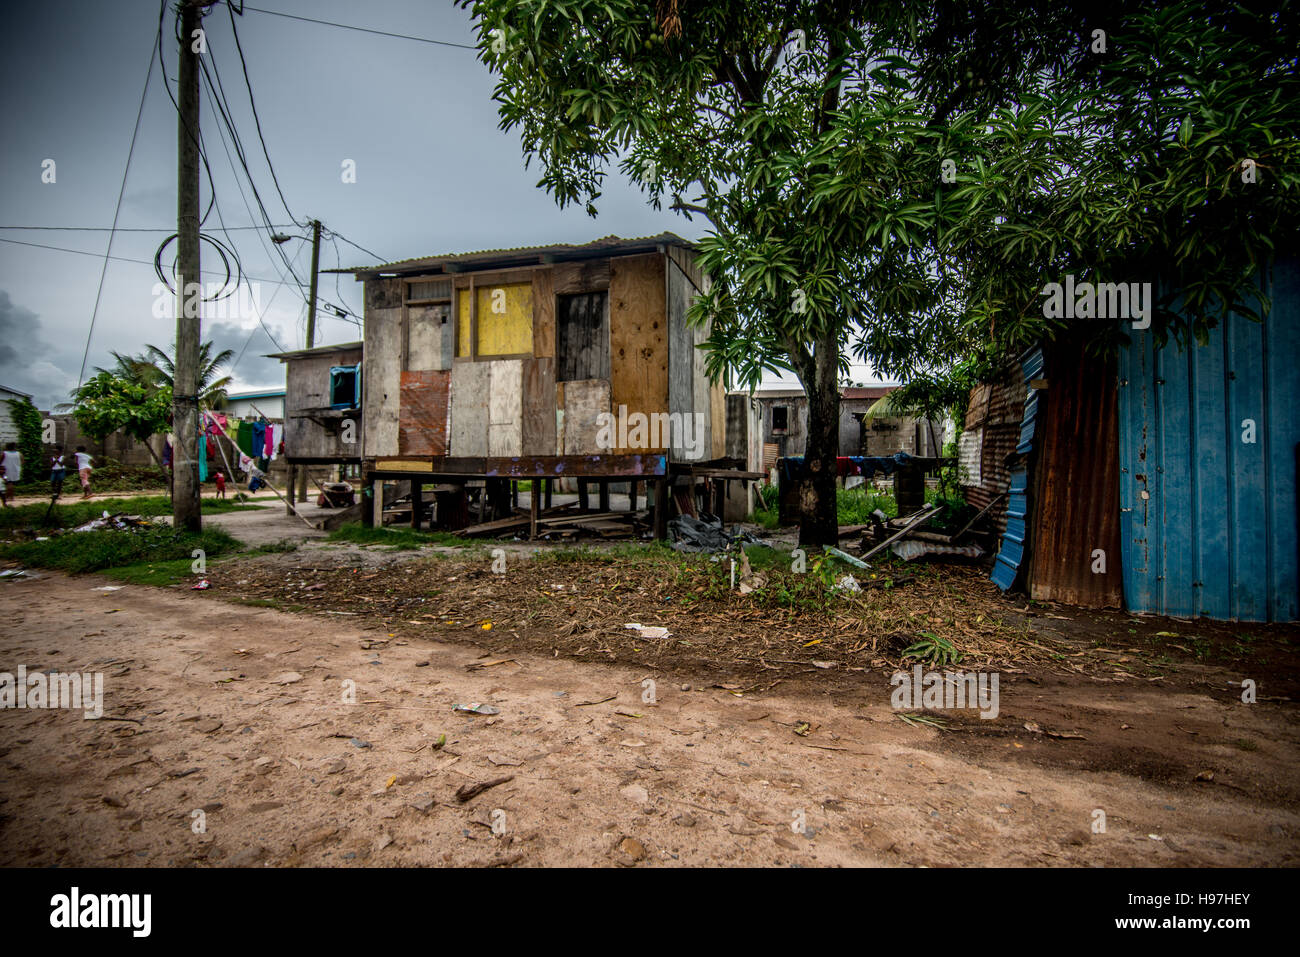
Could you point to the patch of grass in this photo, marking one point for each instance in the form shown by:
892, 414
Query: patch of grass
79, 552
768, 519
853, 506
71, 512
160, 574
405, 539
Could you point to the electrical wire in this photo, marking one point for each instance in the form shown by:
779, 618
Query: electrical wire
99, 293
345, 26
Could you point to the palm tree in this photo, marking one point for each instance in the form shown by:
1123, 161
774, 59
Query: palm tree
211, 385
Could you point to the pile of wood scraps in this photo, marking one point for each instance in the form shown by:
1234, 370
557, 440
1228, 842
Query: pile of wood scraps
564, 522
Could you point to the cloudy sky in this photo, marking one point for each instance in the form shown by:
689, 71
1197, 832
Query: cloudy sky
434, 173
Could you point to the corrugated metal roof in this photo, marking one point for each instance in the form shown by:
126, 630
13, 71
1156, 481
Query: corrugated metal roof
316, 351
557, 252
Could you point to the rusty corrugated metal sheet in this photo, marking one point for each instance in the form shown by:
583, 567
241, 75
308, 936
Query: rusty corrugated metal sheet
1074, 519
996, 408
422, 419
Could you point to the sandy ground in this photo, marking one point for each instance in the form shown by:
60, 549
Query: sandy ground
239, 748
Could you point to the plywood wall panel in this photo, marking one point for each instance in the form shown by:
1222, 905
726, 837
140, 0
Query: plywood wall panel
638, 336
505, 407
543, 314
539, 428
470, 386
381, 376
583, 402
429, 338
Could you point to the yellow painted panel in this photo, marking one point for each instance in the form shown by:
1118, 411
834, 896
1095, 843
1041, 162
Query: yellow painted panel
505, 319
462, 323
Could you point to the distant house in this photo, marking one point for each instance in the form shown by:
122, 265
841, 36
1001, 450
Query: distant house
322, 405
247, 405
9, 428
770, 424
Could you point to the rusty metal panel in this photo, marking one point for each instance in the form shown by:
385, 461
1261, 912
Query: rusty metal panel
422, 421
1075, 551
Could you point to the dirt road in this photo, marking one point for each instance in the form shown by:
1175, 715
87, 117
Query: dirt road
240, 749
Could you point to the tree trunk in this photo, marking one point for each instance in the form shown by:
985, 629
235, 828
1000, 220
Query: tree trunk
818, 522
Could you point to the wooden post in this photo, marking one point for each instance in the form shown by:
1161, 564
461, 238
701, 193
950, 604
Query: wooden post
186, 511
534, 508
311, 329
416, 502
549, 484
661, 508
288, 500
604, 495
631, 495
584, 503
368, 503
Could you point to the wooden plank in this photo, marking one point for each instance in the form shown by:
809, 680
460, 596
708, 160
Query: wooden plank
505, 407
584, 401
638, 339
429, 337
538, 406
543, 314
577, 277
470, 385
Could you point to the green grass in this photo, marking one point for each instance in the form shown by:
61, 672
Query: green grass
160, 573
853, 506
79, 552
404, 539
71, 512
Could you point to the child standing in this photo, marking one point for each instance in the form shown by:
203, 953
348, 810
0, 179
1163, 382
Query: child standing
83, 470
11, 470
58, 471
221, 484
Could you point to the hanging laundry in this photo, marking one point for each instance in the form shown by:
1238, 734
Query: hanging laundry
244, 439
167, 453
203, 461
269, 444
259, 439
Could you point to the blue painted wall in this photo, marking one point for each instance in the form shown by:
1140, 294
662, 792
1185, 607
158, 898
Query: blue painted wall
1208, 525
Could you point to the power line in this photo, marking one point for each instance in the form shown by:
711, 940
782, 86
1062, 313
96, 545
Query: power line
128, 259
127, 229
345, 26
117, 211
335, 232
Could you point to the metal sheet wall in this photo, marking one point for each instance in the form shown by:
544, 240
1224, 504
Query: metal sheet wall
1208, 440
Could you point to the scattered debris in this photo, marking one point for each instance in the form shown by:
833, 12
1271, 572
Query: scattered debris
468, 792
476, 708
648, 631
692, 535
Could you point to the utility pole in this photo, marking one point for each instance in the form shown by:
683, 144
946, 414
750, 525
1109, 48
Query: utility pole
311, 327
186, 510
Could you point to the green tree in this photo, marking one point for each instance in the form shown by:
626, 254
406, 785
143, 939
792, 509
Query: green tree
211, 383
27, 419
108, 402
902, 179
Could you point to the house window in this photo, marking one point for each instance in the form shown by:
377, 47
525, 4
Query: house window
582, 337
345, 387
780, 418
499, 324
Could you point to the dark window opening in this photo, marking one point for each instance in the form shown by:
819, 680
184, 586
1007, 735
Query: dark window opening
780, 418
582, 333
345, 387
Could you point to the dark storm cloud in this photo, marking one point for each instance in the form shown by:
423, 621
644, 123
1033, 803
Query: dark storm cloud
25, 356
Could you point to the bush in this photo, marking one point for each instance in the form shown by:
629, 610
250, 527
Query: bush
79, 552
853, 506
